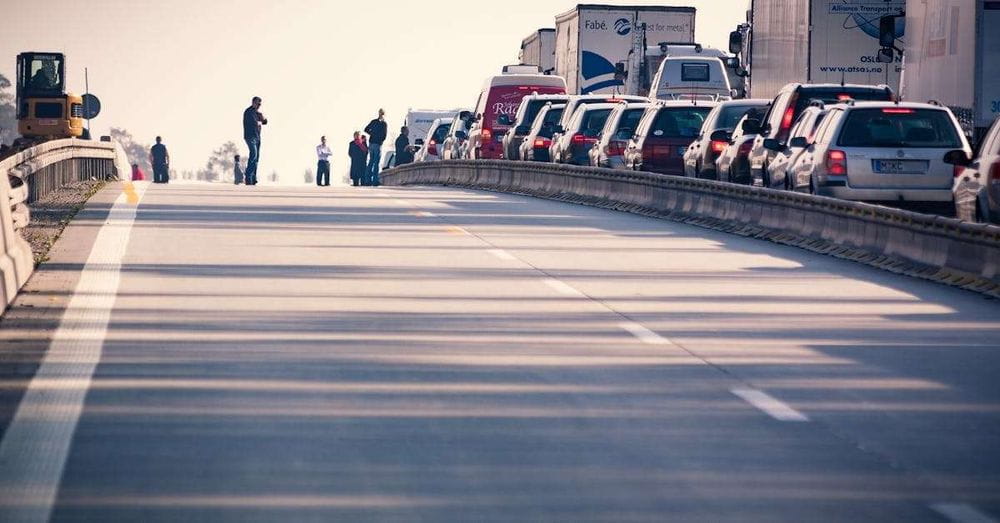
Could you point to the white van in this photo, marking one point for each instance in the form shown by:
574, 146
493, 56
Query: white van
691, 78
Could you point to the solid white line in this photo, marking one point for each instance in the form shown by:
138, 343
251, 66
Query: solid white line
645, 335
774, 407
561, 287
961, 513
502, 254
35, 447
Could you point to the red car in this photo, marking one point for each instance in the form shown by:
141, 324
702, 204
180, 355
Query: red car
497, 105
664, 134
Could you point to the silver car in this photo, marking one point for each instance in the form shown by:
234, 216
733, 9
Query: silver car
456, 141
609, 151
432, 145
884, 152
977, 186
803, 132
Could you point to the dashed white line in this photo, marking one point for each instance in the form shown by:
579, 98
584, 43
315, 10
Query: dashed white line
561, 287
35, 447
423, 214
502, 254
961, 513
645, 335
774, 407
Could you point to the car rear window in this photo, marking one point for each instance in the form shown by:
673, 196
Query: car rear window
593, 121
628, 122
679, 122
552, 116
532, 110
731, 114
899, 127
441, 132
832, 96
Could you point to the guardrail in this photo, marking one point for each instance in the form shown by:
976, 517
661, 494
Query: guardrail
31, 174
942, 249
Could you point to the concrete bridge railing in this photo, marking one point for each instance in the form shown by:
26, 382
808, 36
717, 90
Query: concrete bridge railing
931, 247
30, 175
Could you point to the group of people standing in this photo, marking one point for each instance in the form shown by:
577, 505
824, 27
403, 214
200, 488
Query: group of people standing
366, 153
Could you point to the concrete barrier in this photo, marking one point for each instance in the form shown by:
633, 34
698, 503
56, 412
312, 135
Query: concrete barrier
29, 175
926, 246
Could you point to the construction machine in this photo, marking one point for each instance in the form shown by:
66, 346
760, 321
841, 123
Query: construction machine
45, 111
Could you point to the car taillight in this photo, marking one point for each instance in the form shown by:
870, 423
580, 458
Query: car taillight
615, 148
745, 148
541, 143
897, 110
836, 162
718, 146
788, 118
578, 138
432, 148
486, 135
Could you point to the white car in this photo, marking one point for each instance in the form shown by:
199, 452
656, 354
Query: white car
433, 142
456, 141
884, 152
803, 131
580, 134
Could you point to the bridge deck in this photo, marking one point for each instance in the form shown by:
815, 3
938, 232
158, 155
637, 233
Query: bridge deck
439, 354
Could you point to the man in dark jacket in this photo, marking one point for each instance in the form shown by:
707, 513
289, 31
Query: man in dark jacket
404, 153
357, 151
376, 130
161, 162
252, 121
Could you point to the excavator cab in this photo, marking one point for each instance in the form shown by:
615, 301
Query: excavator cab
44, 108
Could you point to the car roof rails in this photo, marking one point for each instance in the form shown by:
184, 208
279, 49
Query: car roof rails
935, 102
816, 102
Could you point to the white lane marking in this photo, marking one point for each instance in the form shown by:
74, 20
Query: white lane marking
423, 214
404, 203
645, 335
561, 287
774, 407
961, 513
35, 447
502, 254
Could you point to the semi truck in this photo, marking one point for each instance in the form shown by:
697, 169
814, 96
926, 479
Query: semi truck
539, 49
816, 41
591, 40
952, 55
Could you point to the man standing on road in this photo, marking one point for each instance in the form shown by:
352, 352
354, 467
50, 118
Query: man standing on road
252, 122
404, 152
377, 130
323, 165
161, 162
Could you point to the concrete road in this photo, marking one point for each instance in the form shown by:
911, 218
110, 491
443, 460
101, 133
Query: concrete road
426, 354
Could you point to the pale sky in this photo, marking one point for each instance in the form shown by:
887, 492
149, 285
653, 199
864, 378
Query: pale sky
186, 69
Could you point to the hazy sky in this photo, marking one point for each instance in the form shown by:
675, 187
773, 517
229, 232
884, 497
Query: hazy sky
186, 69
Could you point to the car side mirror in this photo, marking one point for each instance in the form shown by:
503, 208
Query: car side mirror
461, 135
418, 141
799, 141
522, 130
773, 145
735, 42
751, 126
721, 135
957, 157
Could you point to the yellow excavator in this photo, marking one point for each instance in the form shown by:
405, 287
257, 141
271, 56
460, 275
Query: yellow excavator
45, 111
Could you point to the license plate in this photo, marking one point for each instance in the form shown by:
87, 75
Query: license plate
900, 166
48, 123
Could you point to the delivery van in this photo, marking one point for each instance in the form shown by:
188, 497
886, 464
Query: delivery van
497, 106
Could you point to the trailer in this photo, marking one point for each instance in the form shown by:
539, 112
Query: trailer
952, 55
815, 41
591, 39
539, 49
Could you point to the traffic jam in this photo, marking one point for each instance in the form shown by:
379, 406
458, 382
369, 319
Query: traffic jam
865, 120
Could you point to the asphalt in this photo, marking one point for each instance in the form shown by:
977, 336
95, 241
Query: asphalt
435, 354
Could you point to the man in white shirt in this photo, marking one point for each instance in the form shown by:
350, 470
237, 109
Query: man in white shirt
323, 166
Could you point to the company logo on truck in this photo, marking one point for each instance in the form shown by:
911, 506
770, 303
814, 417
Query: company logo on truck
623, 26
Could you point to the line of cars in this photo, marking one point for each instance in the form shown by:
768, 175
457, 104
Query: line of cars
855, 142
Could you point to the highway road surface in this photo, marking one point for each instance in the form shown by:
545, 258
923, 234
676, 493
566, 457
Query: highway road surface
221, 353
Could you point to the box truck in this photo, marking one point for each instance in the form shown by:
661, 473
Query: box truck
592, 39
815, 41
952, 55
539, 48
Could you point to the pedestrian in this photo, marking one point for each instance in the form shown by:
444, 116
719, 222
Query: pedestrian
358, 153
377, 130
323, 163
161, 161
137, 174
252, 122
237, 171
404, 152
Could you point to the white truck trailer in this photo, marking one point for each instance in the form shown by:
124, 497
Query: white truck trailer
539, 48
592, 39
952, 55
815, 41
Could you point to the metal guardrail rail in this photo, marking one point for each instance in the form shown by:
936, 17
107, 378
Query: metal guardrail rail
932, 247
31, 174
